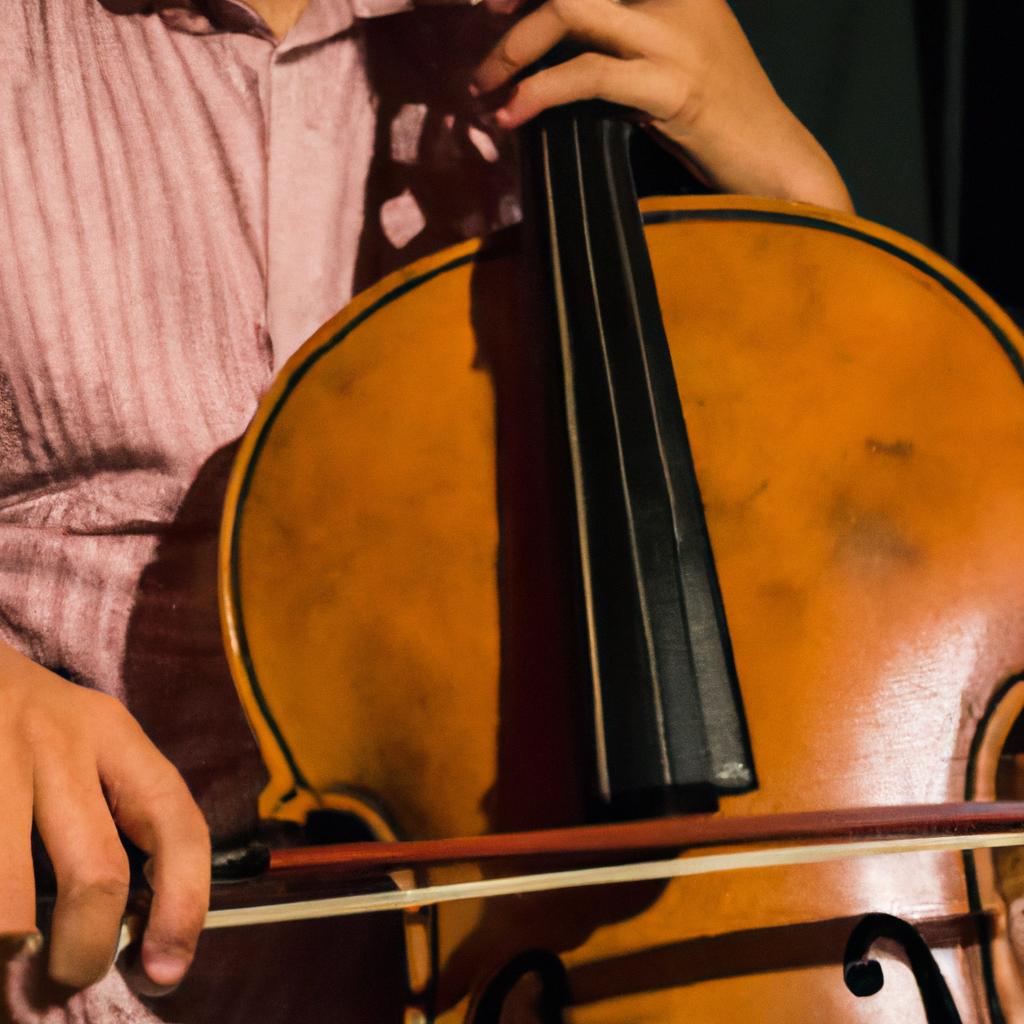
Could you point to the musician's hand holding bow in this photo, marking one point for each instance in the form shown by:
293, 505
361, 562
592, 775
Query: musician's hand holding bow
79, 762
687, 66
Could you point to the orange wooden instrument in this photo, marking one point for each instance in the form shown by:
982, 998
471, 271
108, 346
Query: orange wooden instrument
427, 637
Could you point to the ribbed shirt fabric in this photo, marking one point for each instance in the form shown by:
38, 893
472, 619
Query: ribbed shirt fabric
183, 200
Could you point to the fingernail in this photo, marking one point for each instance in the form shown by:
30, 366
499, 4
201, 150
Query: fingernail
474, 89
164, 968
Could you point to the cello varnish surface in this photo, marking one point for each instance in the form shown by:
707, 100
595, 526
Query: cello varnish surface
856, 413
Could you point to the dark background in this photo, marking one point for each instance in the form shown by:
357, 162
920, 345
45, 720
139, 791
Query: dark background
919, 103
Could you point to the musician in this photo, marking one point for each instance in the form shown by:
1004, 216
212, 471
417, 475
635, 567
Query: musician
187, 189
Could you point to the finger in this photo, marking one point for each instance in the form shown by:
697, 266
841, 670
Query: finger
89, 862
529, 39
154, 809
17, 884
602, 23
631, 83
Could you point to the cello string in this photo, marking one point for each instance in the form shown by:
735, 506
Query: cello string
601, 343
659, 870
572, 428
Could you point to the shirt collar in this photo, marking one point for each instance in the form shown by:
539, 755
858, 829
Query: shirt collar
321, 19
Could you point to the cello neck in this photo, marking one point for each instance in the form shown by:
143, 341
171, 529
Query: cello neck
665, 715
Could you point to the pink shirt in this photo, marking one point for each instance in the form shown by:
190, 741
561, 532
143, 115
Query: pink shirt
182, 202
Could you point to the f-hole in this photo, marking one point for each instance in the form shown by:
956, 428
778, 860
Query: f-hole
541, 976
995, 879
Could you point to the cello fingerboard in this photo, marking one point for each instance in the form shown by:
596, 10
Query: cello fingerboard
666, 715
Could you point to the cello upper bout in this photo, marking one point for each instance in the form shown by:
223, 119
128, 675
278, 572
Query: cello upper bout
857, 416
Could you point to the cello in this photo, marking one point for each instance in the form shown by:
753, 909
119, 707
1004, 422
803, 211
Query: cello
725, 531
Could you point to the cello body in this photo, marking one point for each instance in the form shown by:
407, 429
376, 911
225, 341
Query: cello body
393, 557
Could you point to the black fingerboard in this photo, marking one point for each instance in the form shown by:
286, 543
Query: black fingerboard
666, 717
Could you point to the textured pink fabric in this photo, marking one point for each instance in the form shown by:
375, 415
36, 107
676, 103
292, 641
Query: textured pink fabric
182, 202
